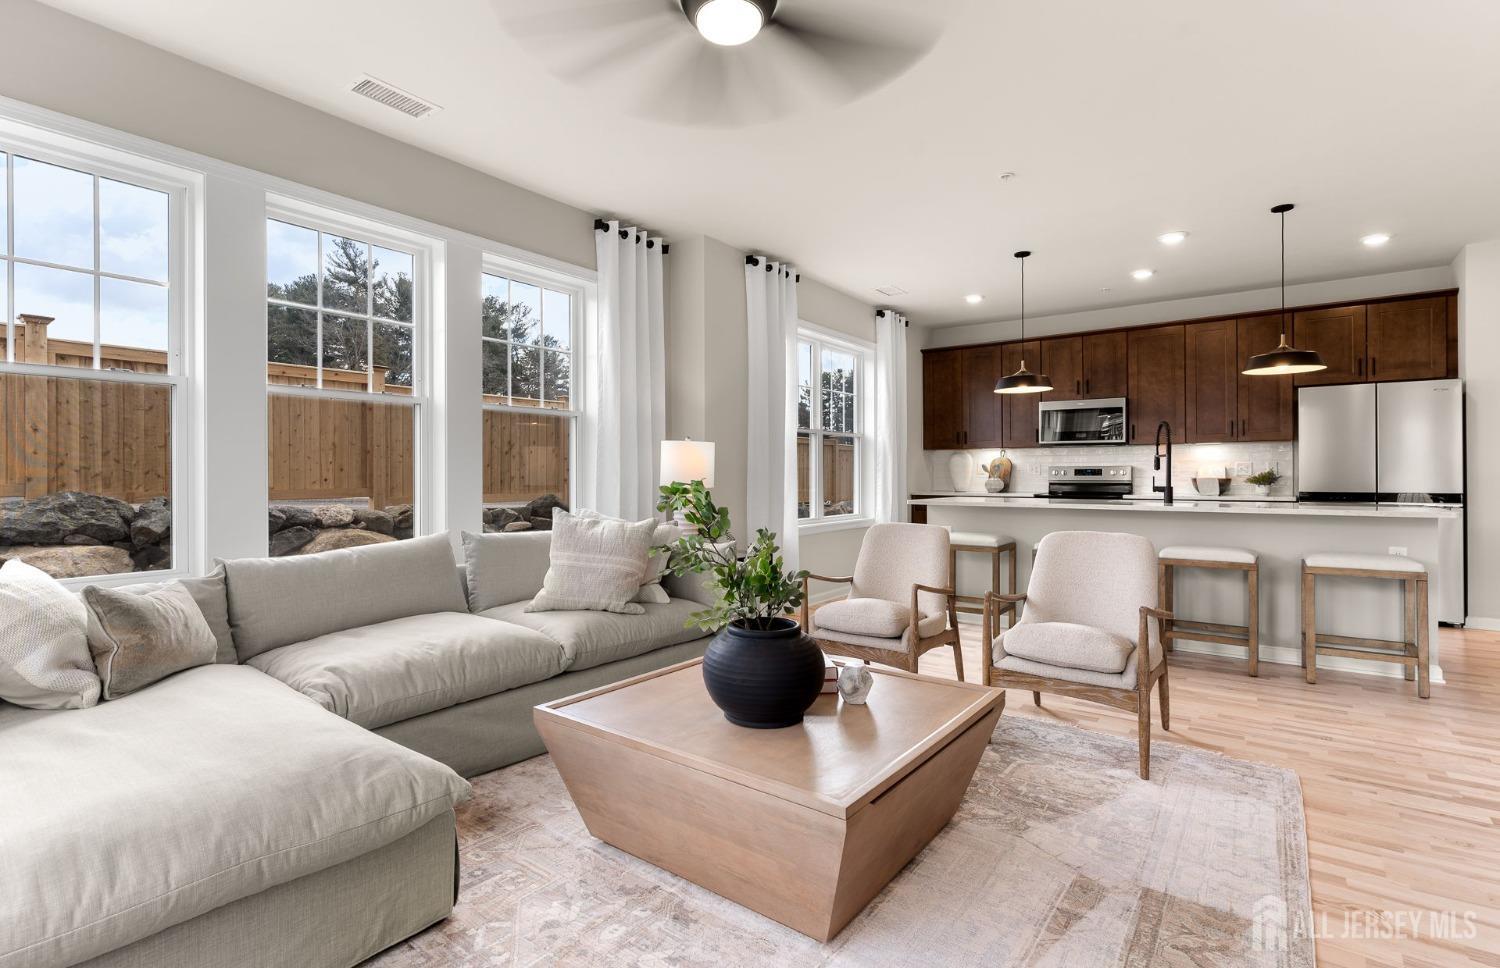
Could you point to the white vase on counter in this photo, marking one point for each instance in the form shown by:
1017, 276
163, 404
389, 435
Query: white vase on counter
961, 470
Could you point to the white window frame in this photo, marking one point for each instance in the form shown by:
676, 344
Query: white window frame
425, 252
184, 189
581, 294
864, 429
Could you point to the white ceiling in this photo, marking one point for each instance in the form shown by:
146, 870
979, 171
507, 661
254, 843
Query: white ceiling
1120, 120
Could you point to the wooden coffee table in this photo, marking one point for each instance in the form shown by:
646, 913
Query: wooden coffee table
805, 824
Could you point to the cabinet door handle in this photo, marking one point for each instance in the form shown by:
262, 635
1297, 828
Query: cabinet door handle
1242, 429
1078, 387
1373, 361
1231, 428
1361, 366
1132, 433
1085, 386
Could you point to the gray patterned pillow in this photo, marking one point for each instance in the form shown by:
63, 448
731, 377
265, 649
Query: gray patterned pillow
44, 657
138, 639
597, 564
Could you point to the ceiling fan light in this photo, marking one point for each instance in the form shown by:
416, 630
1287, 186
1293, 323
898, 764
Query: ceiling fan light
729, 23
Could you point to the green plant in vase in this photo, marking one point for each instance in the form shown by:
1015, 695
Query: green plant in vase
1263, 481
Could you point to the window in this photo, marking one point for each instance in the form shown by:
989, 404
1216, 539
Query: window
343, 326
91, 378
831, 424
529, 333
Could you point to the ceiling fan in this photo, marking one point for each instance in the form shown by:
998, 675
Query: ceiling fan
724, 63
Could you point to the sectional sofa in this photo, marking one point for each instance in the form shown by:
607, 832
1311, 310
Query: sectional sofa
293, 803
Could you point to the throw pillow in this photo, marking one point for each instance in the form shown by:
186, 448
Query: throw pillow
44, 650
138, 639
596, 564
658, 557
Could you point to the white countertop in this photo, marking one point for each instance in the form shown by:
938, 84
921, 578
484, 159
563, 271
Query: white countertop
1197, 506
1183, 496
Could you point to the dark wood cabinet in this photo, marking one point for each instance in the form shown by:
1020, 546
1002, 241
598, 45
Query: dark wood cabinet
1157, 373
1211, 386
1338, 335
1021, 408
1105, 367
942, 399
1266, 403
1062, 360
983, 407
1407, 339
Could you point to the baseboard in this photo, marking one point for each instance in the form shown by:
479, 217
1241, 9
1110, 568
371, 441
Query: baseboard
1286, 655
1482, 623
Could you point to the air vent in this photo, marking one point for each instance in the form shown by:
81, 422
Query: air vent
891, 291
383, 93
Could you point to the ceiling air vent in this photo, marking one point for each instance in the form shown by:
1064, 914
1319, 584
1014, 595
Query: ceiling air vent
383, 93
892, 291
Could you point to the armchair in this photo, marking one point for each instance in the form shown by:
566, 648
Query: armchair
899, 605
1085, 628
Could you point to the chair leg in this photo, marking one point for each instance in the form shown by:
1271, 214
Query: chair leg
1143, 732
1164, 581
1424, 667
958, 659
1309, 626
1036, 697
1409, 623
1252, 622
1165, 698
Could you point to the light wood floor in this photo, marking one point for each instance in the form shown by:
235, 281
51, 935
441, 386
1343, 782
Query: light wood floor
1402, 795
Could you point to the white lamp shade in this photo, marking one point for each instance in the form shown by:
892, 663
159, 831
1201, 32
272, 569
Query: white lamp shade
686, 461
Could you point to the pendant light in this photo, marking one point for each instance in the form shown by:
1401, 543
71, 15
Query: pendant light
1284, 359
1023, 380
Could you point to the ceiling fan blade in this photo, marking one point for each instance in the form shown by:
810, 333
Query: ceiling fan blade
589, 41
854, 49
708, 86
537, 19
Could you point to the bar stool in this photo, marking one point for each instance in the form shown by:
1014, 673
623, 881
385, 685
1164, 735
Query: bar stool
994, 545
1222, 559
1411, 651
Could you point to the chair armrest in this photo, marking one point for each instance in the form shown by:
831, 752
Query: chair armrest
1160, 614
991, 619
1143, 644
837, 581
929, 588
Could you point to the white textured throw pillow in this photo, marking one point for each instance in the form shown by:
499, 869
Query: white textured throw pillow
659, 555
44, 649
597, 564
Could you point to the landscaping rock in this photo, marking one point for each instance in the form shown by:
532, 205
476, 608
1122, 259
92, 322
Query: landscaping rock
152, 522
342, 538
288, 540
295, 516
276, 518
500, 517
73, 561
151, 558
334, 515
541, 507
401, 515
541, 523
83, 540
517, 526
48, 520
373, 519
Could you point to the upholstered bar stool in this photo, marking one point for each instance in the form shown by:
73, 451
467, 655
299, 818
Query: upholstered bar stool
979, 543
1411, 651
1222, 559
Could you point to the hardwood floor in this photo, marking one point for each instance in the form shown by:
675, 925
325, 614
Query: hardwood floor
1402, 795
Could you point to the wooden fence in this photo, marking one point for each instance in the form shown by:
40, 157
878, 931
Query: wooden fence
115, 438
838, 471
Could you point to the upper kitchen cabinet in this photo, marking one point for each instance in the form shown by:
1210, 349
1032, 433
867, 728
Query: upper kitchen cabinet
942, 399
1157, 371
1212, 384
1266, 403
1408, 339
983, 407
1106, 372
1021, 408
1338, 335
1062, 360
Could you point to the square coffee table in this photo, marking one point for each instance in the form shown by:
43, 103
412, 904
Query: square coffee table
804, 824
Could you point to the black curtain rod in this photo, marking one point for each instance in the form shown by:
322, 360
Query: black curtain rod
602, 226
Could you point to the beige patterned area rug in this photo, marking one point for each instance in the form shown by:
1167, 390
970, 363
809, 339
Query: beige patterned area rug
1059, 856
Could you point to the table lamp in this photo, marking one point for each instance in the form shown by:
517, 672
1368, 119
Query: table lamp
685, 461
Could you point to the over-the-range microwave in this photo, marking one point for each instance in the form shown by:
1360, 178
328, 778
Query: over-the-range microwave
1081, 421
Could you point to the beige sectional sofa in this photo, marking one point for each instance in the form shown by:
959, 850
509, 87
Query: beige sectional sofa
292, 804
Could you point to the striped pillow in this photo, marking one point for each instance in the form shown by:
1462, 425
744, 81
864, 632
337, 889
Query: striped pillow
596, 564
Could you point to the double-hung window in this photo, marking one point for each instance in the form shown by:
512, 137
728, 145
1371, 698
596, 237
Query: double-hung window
832, 423
530, 327
345, 322
93, 292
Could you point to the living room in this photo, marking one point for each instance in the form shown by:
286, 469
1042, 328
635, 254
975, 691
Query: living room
684, 481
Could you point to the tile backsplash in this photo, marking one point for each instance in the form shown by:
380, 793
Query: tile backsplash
1238, 461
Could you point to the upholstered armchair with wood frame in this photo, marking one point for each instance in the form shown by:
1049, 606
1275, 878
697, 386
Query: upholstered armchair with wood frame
900, 602
1086, 628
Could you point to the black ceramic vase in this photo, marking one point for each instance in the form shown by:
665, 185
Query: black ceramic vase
763, 678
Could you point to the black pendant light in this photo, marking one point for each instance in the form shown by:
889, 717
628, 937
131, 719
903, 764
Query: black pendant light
1023, 380
1284, 359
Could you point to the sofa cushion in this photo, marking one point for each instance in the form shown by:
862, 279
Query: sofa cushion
124, 819
505, 568
278, 601
44, 649
1069, 645
594, 638
865, 616
394, 670
140, 639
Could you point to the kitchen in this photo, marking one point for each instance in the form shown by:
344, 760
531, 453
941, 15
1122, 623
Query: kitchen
1363, 462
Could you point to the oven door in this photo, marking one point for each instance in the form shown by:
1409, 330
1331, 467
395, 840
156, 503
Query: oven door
1082, 421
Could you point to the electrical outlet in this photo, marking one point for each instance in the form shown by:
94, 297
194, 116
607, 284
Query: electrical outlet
1398, 552
1242, 469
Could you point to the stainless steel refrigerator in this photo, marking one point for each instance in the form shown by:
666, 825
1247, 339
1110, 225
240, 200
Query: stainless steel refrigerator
1393, 443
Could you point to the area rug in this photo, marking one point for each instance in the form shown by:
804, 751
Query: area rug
1059, 856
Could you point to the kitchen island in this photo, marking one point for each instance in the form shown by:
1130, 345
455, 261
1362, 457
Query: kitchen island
1280, 532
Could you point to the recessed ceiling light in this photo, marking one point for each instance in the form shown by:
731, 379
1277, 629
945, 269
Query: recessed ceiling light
1006, 175
1104, 289
1141, 275
1376, 240
1172, 238
973, 299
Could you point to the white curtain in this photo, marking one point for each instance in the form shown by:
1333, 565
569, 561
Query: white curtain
771, 485
626, 376
890, 416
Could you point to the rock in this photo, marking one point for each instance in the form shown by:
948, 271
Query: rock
152, 522
401, 514
373, 519
517, 526
48, 520
541, 523
541, 507
490, 528
151, 558
295, 516
334, 515
288, 540
73, 561
500, 517
83, 540
342, 538
276, 518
